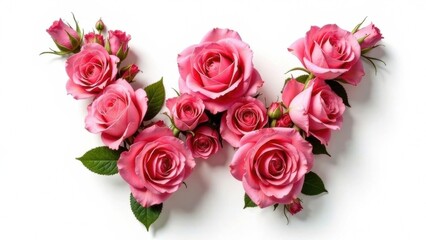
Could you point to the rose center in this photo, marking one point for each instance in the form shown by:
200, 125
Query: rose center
213, 66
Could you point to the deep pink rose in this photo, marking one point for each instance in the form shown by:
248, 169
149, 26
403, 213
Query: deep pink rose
284, 121
373, 36
204, 142
90, 71
129, 72
316, 110
92, 37
63, 35
330, 52
155, 166
244, 116
218, 70
294, 207
186, 111
118, 43
272, 163
117, 113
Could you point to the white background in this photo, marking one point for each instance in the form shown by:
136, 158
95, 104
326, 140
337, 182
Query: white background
375, 177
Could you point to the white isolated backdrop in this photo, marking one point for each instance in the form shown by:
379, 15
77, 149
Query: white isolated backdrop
375, 176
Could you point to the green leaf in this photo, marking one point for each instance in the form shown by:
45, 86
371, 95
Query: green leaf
248, 202
313, 184
156, 97
317, 147
146, 216
101, 160
339, 90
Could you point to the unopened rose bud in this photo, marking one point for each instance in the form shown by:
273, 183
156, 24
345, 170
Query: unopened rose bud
294, 207
129, 72
100, 26
117, 43
369, 36
276, 110
94, 38
65, 37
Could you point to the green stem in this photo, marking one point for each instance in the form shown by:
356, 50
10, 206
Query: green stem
308, 80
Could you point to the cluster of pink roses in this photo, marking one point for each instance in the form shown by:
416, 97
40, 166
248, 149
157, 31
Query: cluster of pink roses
217, 101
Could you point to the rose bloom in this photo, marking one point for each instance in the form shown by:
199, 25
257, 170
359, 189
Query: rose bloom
272, 163
118, 43
187, 111
246, 115
218, 70
204, 142
316, 110
117, 113
284, 121
155, 165
330, 52
90, 71
92, 37
60, 33
373, 36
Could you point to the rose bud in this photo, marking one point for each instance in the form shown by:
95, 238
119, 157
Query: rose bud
275, 111
129, 72
66, 38
100, 26
369, 35
294, 207
94, 38
117, 43
284, 121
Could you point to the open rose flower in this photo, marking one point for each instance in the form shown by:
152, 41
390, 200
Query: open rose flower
155, 166
316, 110
117, 113
187, 111
66, 38
118, 43
330, 52
204, 142
244, 116
90, 71
218, 70
371, 35
272, 163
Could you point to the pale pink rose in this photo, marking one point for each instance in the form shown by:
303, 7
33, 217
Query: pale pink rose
118, 43
330, 52
373, 36
187, 111
90, 71
316, 110
117, 113
155, 166
218, 70
272, 163
63, 35
92, 37
204, 142
244, 116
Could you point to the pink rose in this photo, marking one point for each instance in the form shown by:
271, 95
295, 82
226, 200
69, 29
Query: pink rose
65, 37
129, 72
117, 113
373, 36
92, 37
330, 52
275, 111
204, 142
218, 70
294, 207
90, 71
316, 110
244, 116
187, 111
118, 43
284, 121
155, 165
272, 163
